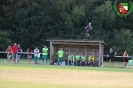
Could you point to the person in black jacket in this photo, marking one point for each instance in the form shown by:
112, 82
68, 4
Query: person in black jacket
111, 55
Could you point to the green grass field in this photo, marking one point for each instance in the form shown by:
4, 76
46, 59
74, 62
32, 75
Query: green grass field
26, 75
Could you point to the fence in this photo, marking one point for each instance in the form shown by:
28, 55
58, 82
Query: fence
129, 62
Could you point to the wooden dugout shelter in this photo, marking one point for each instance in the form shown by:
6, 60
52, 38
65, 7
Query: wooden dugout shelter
89, 47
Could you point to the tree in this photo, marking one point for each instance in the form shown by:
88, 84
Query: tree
31, 22
4, 40
123, 41
104, 20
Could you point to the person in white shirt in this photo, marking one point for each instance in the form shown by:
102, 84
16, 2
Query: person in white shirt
36, 52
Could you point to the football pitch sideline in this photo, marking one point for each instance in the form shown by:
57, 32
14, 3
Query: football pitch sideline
50, 76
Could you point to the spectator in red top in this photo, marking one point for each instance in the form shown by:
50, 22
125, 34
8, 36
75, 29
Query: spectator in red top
9, 53
14, 52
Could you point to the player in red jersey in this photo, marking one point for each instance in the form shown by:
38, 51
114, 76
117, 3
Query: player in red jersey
14, 52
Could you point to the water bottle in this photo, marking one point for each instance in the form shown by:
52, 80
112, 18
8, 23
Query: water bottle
63, 63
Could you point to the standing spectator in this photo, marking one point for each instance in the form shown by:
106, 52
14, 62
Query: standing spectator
45, 54
60, 54
14, 52
19, 53
83, 60
125, 55
111, 55
9, 53
36, 52
77, 59
89, 29
29, 55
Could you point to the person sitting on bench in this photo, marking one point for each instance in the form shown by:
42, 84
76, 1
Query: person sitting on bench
70, 58
83, 60
91, 60
77, 59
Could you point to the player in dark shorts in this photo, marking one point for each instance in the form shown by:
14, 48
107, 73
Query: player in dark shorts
111, 55
89, 30
125, 55
19, 53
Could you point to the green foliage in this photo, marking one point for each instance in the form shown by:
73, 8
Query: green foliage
4, 40
31, 22
124, 41
78, 13
104, 15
